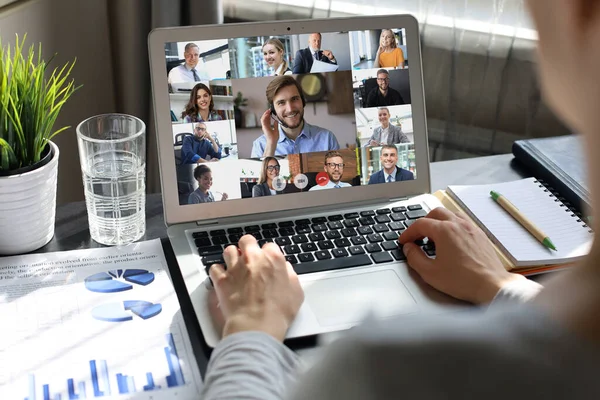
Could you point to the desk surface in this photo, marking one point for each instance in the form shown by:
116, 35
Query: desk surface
71, 231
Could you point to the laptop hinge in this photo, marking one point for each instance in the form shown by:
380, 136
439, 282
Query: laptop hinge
207, 222
398, 199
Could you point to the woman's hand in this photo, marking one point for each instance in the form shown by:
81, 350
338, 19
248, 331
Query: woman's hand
466, 265
225, 196
259, 290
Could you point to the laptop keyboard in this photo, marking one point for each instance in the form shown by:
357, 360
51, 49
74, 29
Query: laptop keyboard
338, 241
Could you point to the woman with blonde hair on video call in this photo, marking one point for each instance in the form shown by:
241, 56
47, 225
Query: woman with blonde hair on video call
273, 54
389, 55
270, 170
201, 106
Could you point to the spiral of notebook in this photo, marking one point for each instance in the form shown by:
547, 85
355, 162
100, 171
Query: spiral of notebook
571, 236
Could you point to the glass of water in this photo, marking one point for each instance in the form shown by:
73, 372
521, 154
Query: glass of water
112, 153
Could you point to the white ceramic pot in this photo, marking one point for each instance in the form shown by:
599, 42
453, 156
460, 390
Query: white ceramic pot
28, 208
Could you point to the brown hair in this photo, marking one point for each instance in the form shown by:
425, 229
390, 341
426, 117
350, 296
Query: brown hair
279, 46
279, 83
383, 71
383, 108
191, 108
393, 45
263, 171
389, 146
331, 154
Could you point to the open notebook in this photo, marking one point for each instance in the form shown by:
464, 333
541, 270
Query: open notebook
571, 236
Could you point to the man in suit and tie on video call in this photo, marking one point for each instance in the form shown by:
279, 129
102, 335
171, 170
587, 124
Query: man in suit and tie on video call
305, 57
289, 133
190, 70
386, 133
390, 171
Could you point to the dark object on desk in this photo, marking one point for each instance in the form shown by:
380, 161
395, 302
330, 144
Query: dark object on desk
560, 163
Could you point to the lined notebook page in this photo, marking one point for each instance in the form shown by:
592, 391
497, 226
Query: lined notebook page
571, 236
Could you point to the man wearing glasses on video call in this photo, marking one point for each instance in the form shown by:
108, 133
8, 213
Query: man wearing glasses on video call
390, 171
383, 95
334, 166
196, 149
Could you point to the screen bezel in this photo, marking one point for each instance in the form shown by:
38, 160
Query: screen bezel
176, 213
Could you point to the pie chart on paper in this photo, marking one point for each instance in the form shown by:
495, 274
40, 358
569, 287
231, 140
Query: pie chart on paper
118, 280
126, 310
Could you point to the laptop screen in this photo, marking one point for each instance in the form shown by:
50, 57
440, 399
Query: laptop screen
277, 115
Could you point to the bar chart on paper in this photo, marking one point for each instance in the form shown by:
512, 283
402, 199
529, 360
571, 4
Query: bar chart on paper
105, 381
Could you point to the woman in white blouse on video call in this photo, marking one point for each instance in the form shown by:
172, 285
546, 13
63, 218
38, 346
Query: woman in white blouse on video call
273, 53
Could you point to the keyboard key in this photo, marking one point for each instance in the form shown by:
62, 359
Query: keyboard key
374, 238
373, 248
283, 241
382, 219
333, 235
409, 222
325, 244
337, 253
318, 220
351, 223
365, 230
381, 258
398, 209
357, 240
303, 229
416, 214
309, 247
319, 228
288, 231
430, 252
380, 228
299, 239
257, 235
218, 232
234, 238
212, 259
220, 240
352, 215
291, 259
269, 226
343, 242
205, 251
304, 221
336, 217
316, 237
398, 255
262, 242
398, 217
333, 264
368, 213
382, 211
235, 230
322, 255
292, 249
202, 242
252, 228
356, 250
335, 225
396, 226
270, 233
197, 235
306, 257
349, 232
389, 245
390, 236
415, 207
286, 224
366, 221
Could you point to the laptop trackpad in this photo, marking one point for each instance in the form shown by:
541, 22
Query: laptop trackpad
344, 300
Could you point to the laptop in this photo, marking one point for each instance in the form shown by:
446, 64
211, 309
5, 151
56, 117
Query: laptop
327, 191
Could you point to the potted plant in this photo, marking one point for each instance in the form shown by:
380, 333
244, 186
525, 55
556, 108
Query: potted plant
30, 100
239, 101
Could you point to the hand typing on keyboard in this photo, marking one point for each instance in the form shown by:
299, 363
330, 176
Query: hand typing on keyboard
259, 290
466, 265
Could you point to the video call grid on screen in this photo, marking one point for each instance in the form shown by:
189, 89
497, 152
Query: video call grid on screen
349, 94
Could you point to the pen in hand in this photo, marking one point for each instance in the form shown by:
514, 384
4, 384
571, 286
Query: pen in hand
522, 219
